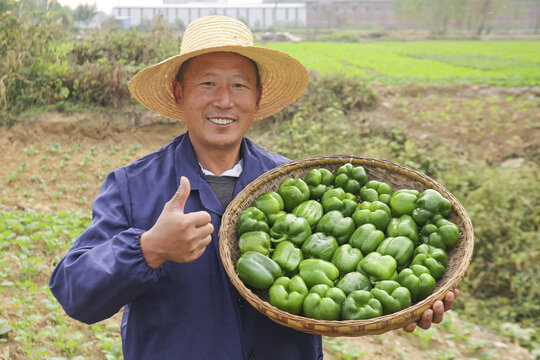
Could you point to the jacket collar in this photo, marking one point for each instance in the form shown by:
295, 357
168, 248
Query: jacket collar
186, 164
253, 166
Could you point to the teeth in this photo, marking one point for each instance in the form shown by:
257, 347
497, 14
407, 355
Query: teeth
220, 121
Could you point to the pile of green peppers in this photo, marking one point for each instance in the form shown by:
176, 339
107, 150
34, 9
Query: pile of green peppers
338, 246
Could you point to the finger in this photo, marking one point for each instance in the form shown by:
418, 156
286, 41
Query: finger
410, 327
207, 240
199, 218
210, 230
195, 254
438, 312
448, 300
197, 239
201, 251
181, 195
425, 322
204, 244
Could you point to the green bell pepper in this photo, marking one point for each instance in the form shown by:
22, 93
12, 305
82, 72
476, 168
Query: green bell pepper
288, 257
320, 246
418, 280
271, 204
350, 178
324, 302
403, 202
354, 281
338, 199
319, 181
293, 192
376, 213
433, 258
346, 258
376, 191
335, 224
403, 226
258, 241
430, 203
317, 271
360, 305
392, 295
288, 294
257, 270
251, 219
366, 238
442, 234
292, 228
378, 267
400, 248
310, 210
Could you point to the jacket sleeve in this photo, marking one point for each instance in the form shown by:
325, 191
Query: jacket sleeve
104, 269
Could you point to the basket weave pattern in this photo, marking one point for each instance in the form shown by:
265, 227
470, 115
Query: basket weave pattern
395, 175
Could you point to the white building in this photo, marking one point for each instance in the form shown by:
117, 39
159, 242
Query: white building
254, 15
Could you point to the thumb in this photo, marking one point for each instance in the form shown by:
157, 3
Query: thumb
181, 195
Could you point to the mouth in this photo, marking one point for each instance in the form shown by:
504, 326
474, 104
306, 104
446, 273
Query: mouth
220, 121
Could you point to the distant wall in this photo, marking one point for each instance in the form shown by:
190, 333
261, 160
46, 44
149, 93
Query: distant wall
260, 15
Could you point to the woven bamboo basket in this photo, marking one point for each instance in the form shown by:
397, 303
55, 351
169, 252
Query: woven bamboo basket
398, 177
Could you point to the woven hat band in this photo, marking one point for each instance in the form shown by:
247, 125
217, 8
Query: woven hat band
214, 31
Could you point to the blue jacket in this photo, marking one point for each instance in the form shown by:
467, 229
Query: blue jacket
177, 311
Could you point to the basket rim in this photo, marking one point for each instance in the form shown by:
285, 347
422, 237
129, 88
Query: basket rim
347, 327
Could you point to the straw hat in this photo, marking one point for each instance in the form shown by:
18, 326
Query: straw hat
283, 78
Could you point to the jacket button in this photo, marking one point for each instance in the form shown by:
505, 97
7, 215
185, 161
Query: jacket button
240, 302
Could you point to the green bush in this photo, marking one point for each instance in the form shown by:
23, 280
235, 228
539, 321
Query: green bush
127, 47
503, 209
314, 124
29, 62
42, 67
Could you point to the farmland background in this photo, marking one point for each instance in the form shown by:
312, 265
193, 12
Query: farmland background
466, 113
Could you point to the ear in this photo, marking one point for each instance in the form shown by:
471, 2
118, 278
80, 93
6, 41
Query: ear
177, 92
259, 96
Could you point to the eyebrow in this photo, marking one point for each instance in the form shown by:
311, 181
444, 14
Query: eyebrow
209, 73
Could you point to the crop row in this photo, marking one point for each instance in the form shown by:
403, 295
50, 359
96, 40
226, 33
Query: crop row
506, 63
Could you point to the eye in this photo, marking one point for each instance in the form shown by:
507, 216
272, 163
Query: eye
239, 85
207, 83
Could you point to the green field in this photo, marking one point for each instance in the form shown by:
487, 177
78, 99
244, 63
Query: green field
505, 63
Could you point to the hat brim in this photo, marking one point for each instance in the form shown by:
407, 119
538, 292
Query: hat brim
283, 80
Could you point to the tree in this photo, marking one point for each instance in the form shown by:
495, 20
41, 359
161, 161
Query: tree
84, 12
487, 10
433, 14
535, 6
7, 5
440, 15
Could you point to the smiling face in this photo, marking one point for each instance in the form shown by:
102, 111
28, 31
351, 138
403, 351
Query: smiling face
219, 97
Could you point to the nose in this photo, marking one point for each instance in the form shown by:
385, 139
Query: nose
223, 97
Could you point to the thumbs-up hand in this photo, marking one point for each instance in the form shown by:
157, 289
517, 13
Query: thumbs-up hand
177, 236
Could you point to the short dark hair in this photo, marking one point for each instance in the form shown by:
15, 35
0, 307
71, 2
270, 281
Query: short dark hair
183, 68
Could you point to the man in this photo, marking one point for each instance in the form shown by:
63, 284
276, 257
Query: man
152, 247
